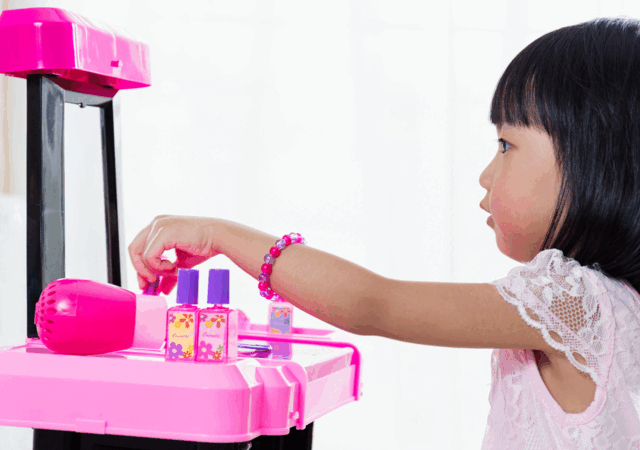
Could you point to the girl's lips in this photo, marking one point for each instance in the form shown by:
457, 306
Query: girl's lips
490, 221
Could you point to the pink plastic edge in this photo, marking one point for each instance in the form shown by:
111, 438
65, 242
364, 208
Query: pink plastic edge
58, 42
295, 368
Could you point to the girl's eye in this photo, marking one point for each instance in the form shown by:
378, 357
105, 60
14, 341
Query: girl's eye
503, 143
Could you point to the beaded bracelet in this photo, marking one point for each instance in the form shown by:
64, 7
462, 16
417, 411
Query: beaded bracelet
269, 260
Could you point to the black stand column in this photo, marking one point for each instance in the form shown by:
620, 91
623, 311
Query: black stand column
45, 185
111, 162
45, 189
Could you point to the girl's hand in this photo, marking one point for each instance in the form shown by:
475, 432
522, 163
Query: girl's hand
191, 237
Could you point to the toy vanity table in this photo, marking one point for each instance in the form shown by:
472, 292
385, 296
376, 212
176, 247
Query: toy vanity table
132, 399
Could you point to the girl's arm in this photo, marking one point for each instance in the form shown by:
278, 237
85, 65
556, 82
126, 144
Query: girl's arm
326, 286
352, 298
463, 315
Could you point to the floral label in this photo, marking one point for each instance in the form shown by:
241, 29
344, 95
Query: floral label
180, 335
279, 319
212, 337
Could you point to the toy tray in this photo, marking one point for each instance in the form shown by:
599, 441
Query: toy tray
260, 330
135, 392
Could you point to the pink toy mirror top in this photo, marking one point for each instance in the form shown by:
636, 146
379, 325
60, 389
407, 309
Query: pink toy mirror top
83, 55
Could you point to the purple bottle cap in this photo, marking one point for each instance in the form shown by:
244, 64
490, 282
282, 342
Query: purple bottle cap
218, 287
187, 287
153, 288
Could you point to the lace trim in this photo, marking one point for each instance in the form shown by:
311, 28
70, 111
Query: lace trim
569, 301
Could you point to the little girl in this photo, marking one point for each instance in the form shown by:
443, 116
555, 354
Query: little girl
563, 191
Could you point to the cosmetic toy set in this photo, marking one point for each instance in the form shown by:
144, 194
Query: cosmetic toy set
84, 317
104, 367
202, 335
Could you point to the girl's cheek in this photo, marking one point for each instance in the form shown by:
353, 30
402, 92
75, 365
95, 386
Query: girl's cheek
496, 207
502, 214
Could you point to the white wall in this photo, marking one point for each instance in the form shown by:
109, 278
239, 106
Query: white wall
363, 125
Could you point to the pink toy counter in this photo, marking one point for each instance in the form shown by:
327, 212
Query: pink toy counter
132, 399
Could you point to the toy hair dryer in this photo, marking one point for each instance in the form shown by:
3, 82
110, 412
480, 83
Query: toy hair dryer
84, 317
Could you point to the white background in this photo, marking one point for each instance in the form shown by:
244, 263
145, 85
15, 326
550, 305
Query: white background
363, 125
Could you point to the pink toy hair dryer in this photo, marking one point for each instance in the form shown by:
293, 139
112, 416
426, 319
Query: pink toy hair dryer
84, 317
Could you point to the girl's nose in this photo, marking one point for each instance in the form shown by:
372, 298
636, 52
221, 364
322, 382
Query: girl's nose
485, 177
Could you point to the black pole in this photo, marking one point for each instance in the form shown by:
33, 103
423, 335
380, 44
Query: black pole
111, 196
45, 189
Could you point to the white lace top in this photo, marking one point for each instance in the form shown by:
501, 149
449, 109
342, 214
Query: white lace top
590, 315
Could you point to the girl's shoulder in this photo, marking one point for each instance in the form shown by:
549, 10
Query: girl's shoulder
569, 304
551, 268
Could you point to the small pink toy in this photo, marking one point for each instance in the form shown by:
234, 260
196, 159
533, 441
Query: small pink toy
280, 316
85, 317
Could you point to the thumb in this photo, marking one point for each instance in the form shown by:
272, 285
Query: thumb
167, 284
186, 260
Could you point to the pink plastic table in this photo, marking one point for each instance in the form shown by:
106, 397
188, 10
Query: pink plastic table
135, 393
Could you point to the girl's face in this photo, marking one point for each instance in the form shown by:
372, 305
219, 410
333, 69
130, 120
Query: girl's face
522, 186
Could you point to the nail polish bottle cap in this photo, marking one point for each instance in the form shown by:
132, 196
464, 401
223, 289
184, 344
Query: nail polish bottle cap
187, 287
153, 288
218, 287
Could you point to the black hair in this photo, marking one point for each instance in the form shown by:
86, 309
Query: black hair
581, 85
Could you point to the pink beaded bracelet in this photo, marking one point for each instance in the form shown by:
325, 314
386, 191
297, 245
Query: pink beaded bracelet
269, 260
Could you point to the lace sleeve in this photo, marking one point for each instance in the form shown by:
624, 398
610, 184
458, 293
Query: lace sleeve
570, 307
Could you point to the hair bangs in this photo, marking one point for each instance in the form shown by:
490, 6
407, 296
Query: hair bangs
520, 99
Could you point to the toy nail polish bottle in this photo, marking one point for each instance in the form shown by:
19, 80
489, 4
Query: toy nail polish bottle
280, 321
182, 326
218, 325
280, 317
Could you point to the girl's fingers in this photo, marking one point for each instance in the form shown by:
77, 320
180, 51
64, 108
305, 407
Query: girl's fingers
157, 242
168, 269
142, 283
135, 253
137, 249
146, 252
